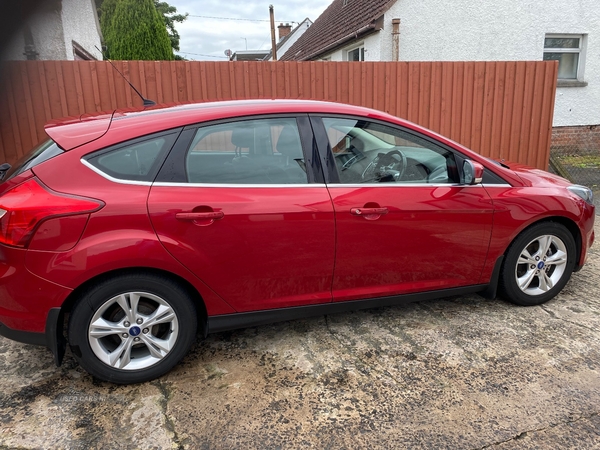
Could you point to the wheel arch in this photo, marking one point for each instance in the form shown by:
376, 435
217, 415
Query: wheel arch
568, 223
71, 300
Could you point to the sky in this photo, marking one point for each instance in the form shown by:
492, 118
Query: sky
204, 38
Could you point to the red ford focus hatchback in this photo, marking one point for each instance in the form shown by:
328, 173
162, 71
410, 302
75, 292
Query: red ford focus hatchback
127, 234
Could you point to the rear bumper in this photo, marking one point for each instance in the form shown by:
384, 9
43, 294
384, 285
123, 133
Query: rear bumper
25, 298
52, 338
30, 305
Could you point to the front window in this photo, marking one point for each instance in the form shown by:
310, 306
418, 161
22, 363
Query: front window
568, 51
369, 152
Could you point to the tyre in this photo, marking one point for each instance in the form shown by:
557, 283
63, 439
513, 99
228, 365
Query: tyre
538, 264
132, 328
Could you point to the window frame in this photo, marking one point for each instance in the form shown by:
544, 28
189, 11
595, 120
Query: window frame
174, 173
579, 51
174, 133
359, 46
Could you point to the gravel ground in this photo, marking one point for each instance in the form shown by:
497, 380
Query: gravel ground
461, 372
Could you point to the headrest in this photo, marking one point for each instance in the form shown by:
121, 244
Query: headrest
243, 137
289, 141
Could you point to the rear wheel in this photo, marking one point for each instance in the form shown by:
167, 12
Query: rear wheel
132, 328
538, 264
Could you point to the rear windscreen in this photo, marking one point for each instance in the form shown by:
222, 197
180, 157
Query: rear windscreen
43, 152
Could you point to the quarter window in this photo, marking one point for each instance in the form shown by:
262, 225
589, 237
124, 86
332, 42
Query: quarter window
368, 152
137, 160
568, 51
263, 151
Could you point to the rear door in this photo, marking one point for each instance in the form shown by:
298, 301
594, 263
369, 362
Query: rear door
404, 223
242, 204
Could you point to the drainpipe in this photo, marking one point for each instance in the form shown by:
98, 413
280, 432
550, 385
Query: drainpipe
30, 50
395, 39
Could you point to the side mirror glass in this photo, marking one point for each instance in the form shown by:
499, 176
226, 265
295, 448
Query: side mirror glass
472, 172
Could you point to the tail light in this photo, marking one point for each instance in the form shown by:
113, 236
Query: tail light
24, 207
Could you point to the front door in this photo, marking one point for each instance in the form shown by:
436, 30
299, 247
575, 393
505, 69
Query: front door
404, 224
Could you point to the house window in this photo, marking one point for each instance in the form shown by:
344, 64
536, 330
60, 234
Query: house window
356, 53
567, 49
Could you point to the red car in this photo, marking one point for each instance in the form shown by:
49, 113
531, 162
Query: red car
137, 230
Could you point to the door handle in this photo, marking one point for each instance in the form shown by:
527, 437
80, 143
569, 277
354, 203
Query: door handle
369, 211
205, 215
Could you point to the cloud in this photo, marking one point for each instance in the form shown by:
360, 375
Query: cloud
203, 38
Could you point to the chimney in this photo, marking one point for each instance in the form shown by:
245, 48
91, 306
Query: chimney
284, 30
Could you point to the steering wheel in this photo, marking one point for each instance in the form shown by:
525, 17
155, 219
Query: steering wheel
388, 166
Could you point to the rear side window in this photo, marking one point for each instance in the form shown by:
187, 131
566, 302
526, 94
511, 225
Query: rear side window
262, 151
137, 160
43, 152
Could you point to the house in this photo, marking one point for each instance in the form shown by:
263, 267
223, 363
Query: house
249, 55
58, 30
288, 36
463, 30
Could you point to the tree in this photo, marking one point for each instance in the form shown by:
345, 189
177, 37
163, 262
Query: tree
170, 16
134, 29
106, 9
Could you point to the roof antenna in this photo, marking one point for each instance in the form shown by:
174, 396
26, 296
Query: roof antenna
147, 102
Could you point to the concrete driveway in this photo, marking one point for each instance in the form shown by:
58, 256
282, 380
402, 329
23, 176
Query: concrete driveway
460, 372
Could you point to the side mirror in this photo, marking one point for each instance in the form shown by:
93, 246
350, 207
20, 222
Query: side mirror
472, 172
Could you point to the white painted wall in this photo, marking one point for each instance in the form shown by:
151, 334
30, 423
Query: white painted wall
80, 24
54, 30
372, 44
464, 30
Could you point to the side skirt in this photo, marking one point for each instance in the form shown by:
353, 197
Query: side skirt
234, 321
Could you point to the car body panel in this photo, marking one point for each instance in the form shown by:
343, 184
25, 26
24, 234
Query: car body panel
432, 237
25, 298
274, 247
118, 236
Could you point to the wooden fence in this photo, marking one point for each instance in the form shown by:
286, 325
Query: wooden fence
499, 109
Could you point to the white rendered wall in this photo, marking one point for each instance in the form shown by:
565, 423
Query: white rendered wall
372, 44
463, 30
47, 34
55, 28
80, 24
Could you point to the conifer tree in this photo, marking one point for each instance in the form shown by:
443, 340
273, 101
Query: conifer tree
135, 30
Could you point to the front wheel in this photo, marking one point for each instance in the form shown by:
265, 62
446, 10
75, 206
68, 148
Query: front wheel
132, 328
538, 264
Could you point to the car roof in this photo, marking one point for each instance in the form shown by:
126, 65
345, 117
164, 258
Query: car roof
72, 132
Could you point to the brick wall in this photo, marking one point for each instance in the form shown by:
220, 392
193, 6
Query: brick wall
581, 140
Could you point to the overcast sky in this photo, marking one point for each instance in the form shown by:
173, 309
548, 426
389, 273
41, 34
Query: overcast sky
207, 39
